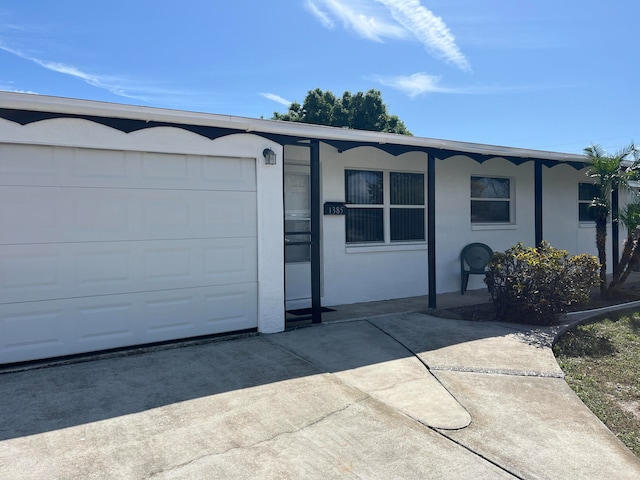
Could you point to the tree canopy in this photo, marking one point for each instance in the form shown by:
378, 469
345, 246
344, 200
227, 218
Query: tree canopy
362, 111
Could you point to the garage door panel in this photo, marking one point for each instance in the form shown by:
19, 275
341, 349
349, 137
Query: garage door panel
100, 268
34, 329
26, 212
86, 167
28, 165
231, 305
218, 309
99, 164
234, 261
56, 271
29, 269
105, 321
64, 327
228, 173
49, 215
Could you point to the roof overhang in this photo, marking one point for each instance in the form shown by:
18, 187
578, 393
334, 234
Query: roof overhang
28, 108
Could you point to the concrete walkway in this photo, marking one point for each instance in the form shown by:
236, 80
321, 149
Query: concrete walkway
400, 396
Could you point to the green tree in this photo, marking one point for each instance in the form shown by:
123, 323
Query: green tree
362, 111
614, 172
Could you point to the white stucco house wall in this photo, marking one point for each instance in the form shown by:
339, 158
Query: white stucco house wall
126, 225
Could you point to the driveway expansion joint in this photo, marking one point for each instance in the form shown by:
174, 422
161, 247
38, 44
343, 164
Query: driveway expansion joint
497, 371
443, 433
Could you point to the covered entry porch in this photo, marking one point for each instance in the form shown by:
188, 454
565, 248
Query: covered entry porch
342, 272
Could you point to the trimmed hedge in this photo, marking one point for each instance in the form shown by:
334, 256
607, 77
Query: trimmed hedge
536, 285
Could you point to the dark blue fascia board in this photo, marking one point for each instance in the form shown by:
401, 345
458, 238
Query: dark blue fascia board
126, 125
390, 148
24, 117
481, 158
444, 154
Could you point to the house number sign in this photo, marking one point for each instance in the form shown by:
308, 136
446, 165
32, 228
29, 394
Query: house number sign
334, 208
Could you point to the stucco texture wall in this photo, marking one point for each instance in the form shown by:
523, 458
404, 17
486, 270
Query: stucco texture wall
354, 273
357, 273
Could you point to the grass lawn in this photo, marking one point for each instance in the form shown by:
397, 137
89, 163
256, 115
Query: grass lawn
601, 361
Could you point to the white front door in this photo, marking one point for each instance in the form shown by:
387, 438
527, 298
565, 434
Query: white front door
297, 226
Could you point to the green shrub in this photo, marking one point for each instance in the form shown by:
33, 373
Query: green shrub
536, 285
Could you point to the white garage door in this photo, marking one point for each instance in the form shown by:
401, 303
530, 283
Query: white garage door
102, 249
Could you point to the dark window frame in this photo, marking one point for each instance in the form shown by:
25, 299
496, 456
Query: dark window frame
585, 200
396, 223
494, 198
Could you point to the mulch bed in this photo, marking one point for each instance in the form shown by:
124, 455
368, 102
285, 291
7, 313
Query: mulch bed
485, 312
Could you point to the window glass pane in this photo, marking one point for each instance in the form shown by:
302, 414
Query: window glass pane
489, 211
364, 225
490, 187
587, 191
363, 187
586, 213
406, 188
296, 193
407, 224
297, 253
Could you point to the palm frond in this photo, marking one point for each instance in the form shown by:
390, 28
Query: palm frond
627, 151
594, 151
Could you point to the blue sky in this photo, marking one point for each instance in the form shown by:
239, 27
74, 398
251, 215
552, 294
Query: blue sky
542, 74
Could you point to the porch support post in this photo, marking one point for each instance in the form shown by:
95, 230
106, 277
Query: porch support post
537, 175
615, 230
316, 307
431, 228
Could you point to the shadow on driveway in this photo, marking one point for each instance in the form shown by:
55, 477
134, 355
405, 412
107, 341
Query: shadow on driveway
46, 399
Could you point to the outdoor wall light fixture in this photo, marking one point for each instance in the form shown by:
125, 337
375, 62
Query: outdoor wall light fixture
269, 156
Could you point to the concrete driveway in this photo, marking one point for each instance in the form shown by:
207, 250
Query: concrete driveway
401, 396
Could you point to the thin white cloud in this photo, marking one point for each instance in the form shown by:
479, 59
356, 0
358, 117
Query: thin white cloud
399, 19
111, 84
276, 98
120, 86
420, 83
12, 27
8, 87
415, 84
361, 19
320, 15
429, 29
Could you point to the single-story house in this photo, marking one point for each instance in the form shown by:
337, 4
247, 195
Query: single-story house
126, 225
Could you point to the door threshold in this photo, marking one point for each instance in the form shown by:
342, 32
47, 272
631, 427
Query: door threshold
299, 312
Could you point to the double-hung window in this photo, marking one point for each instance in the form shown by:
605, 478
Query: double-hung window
384, 207
586, 193
406, 206
490, 200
